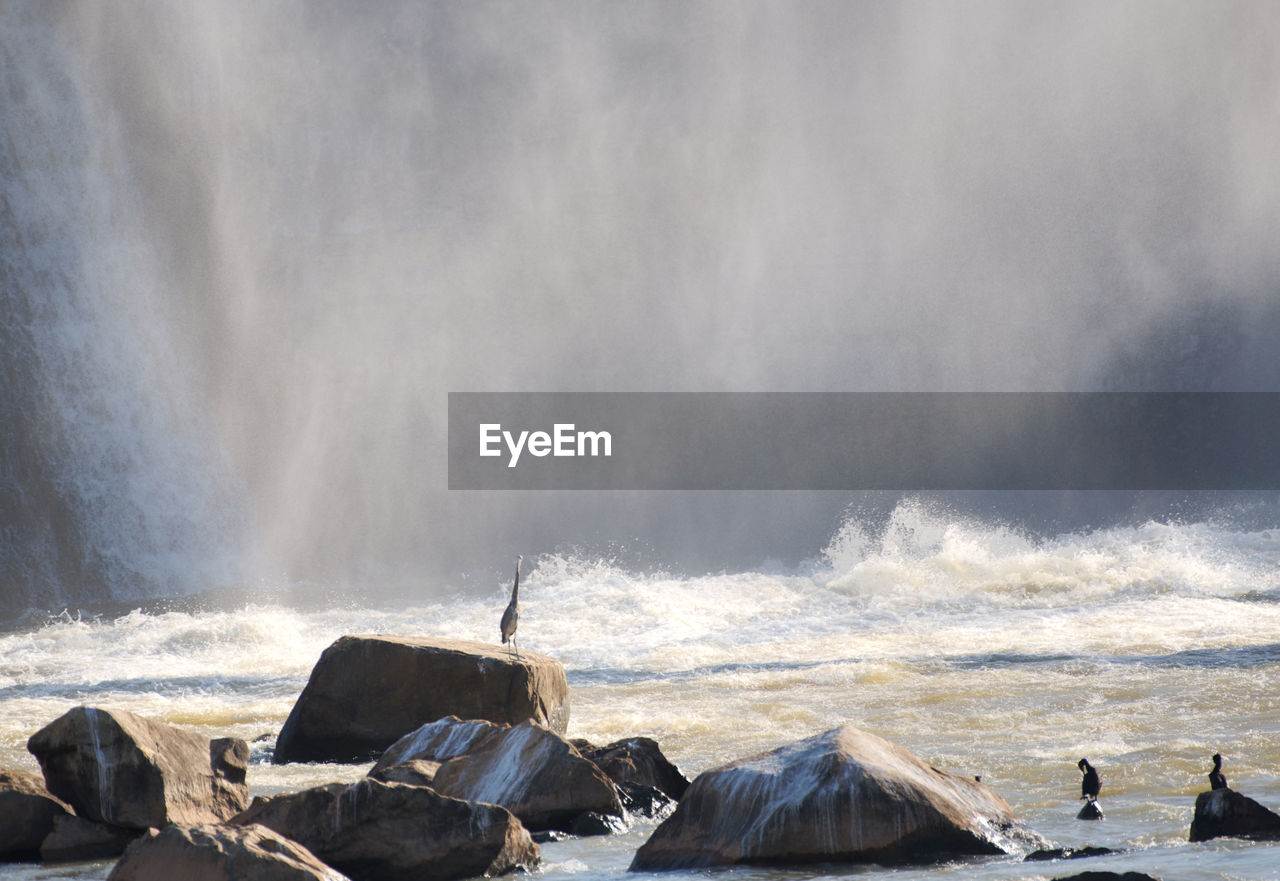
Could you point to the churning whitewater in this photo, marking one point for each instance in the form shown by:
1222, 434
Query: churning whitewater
981, 649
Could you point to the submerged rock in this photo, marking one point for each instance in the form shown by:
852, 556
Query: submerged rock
220, 853
841, 796
1108, 876
27, 814
390, 831
365, 692
117, 768
1225, 812
1066, 853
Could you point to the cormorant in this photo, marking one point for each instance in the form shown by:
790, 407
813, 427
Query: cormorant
1090, 785
1216, 778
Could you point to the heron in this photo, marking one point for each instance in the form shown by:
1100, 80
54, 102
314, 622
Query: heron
511, 617
1090, 785
1217, 780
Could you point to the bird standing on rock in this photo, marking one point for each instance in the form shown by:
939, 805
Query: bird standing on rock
1217, 780
511, 617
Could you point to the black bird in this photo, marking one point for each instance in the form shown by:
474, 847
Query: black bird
511, 617
1216, 778
1090, 785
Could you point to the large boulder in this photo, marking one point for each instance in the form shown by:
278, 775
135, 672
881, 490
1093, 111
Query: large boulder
841, 796
390, 831
1225, 812
27, 814
532, 771
219, 853
365, 692
117, 768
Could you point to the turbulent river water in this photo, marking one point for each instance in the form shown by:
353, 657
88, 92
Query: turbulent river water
983, 650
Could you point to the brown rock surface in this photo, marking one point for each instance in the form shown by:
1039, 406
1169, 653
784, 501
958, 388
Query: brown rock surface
117, 768
392, 831
74, 839
219, 853
636, 760
841, 796
365, 692
27, 814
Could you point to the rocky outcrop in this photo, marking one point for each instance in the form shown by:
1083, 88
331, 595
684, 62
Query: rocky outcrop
1109, 876
27, 814
841, 796
117, 768
1227, 813
74, 839
219, 853
365, 692
392, 831
533, 772
636, 760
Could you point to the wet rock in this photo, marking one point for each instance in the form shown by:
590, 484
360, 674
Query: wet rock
365, 692
438, 742
1066, 853
392, 831
1091, 811
533, 772
644, 800
841, 796
117, 768
27, 814
1225, 812
636, 760
74, 839
219, 853
415, 772
1108, 876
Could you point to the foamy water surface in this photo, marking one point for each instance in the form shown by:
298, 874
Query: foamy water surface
980, 649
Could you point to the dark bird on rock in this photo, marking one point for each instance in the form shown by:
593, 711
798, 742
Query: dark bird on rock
511, 617
1217, 780
1090, 784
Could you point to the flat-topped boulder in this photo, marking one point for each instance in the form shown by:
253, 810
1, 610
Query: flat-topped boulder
1227, 813
123, 770
220, 853
27, 814
841, 796
530, 770
366, 692
381, 830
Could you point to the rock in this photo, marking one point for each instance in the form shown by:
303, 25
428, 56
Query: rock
74, 839
636, 760
27, 815
1108, 876
219, 853
1225, 812
117, 768
416, 772
645, 800
365, 692
1066, 853
533, 772
439, 741
1090, 811
392, 831
841, 796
